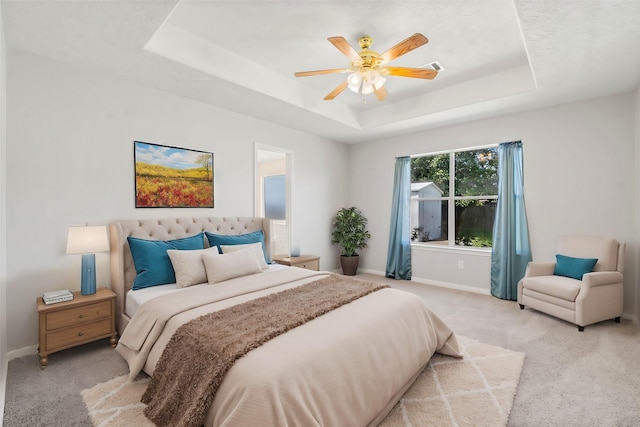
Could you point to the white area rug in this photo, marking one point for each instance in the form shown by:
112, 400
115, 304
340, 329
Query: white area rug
477, 390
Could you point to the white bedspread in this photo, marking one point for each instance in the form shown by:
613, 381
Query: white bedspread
345, 368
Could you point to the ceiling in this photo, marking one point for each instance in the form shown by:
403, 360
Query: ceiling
499, 56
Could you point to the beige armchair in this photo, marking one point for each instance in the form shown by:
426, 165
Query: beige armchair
597, 297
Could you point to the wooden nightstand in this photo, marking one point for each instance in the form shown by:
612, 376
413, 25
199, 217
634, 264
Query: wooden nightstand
67, 324
310, 262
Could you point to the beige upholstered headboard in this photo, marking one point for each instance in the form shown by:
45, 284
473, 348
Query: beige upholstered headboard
123, 271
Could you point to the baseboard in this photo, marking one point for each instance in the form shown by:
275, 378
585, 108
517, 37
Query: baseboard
631, 317
24, 351
453, 286
437, 283
368, 271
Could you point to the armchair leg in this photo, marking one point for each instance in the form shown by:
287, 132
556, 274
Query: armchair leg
617, 319
521, 306
580, 328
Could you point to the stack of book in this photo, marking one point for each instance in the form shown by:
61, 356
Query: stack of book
57, 296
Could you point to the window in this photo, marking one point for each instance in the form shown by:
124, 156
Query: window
275, 197
454, 196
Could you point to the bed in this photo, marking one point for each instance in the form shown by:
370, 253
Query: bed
347, 367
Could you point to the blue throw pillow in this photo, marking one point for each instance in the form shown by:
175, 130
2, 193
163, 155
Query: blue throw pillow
153, 265
240, 239
573, 267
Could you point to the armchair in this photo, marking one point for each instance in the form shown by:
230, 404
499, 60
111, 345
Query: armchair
597, 297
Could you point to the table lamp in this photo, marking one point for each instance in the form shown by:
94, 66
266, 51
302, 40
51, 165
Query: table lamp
87, 240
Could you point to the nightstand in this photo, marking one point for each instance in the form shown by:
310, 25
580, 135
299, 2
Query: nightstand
310, 262
68, 324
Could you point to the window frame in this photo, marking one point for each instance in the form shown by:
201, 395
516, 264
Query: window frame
451, 199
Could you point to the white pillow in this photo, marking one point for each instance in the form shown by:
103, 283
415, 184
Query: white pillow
254, 247
188, 265
227, 266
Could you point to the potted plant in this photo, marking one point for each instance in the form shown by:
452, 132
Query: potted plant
349, 231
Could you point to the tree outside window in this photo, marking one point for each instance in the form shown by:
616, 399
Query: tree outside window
454, 196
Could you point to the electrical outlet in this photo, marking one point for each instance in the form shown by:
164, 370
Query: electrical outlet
461, 264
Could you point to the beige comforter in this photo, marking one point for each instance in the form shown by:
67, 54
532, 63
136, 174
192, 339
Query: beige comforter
346, 368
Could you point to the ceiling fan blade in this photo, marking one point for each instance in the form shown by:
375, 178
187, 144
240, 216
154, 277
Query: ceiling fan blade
343, 46
381, 93
320, 72
336, 91
405, 46
418, 73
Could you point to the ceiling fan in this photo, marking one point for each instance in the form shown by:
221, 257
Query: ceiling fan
368, 67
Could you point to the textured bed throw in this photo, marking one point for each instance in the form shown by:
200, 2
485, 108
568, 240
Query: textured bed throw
180, 393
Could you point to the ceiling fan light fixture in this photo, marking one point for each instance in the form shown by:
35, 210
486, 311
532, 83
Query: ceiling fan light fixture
367, 67
365, 82
355, 81
375, 78
367, 87
379, 83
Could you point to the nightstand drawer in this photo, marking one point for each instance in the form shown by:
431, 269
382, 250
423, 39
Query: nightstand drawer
311, 265
74, 316
310, 262
79, 334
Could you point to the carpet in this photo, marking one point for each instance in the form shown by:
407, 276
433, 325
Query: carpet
477, 390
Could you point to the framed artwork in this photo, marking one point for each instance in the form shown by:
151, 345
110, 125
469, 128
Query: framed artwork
172, 177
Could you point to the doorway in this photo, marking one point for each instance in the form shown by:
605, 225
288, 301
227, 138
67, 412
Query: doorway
273, 193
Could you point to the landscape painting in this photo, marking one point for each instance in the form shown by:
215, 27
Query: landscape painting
172, 177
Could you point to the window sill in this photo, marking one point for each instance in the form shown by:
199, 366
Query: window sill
468, 250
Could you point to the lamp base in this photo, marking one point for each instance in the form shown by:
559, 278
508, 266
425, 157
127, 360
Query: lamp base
88, 282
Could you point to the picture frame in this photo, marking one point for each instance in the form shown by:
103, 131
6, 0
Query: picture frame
172, 177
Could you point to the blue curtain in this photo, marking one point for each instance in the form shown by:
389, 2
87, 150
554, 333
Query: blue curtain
399, 253
510, 251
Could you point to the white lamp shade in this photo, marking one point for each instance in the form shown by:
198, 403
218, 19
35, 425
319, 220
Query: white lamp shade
89, 239
367, 88
379, 82
355, 80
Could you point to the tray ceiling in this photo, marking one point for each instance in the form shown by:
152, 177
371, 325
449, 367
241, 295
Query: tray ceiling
499, 56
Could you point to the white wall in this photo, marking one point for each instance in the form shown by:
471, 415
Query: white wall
3, 228
70, 160
579, 178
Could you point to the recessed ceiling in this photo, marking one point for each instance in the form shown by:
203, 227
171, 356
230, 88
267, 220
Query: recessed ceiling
499, 56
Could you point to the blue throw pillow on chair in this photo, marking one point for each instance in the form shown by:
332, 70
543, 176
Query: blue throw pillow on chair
574, 268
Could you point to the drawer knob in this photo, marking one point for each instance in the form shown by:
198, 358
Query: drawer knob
80, 334
81, 316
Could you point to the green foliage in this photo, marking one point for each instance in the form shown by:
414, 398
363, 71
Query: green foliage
476, 172
349, 231
477, 241
479, 238
419, 234
432, 169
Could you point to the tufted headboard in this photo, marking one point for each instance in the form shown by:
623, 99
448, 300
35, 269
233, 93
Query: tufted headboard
123, 271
